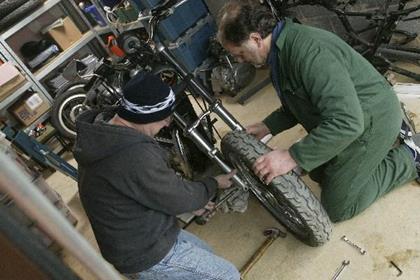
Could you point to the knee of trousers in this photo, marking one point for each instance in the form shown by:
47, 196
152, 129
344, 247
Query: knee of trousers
338, 212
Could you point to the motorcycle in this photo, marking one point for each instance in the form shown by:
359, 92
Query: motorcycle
287, 197
97, 90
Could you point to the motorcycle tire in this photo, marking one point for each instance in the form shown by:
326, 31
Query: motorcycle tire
65, 109
19, 13
287, 198
8, 6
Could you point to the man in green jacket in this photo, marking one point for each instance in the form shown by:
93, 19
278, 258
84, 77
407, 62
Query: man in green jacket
352, 116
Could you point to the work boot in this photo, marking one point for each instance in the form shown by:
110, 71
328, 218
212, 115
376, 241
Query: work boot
407, 126
413, 144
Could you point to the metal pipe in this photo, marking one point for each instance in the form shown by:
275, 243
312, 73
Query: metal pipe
17, 184
226, 116
212, 152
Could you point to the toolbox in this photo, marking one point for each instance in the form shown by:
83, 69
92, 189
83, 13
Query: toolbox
192, 48
184, 16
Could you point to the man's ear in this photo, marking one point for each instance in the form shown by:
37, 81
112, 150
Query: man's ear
256, 37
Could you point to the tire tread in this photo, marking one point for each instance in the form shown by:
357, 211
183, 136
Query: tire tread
290, 186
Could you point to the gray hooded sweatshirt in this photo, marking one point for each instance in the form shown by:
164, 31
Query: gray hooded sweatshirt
130, 194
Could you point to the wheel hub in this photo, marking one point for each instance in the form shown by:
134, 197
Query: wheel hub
76, 111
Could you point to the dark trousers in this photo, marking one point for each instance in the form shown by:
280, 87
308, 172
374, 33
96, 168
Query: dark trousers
369, 168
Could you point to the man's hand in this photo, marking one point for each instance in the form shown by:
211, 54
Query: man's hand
224, 180
209, 207
273, 164
259, 130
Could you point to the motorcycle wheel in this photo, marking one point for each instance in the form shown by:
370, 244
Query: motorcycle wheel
287, 198
67, 106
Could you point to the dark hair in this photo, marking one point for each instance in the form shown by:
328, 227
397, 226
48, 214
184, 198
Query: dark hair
239, 18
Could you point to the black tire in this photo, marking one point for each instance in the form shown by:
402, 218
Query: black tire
67, 106
19, 13
7, 6
287, 198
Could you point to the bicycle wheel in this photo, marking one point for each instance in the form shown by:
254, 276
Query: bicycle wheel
287, 197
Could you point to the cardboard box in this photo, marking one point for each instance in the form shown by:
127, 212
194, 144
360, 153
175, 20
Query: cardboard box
30, 108
64, 32
10, 80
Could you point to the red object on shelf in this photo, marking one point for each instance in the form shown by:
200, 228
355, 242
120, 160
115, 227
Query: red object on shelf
113, 46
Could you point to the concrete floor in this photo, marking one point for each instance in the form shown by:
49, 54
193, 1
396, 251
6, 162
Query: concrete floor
388, 230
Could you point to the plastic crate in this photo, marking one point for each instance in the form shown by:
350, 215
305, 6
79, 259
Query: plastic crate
176, 24
191, 49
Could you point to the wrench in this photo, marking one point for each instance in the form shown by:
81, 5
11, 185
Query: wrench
340, 269
361, 250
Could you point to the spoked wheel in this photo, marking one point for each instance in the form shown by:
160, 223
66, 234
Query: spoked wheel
65, 110
287, 198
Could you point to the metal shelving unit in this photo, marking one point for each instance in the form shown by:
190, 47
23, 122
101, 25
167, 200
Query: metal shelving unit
12, 98
87, 37
34, 78
41, 119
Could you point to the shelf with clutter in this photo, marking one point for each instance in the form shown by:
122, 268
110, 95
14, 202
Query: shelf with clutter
34, 47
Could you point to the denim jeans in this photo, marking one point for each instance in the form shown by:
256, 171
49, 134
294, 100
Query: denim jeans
190, 259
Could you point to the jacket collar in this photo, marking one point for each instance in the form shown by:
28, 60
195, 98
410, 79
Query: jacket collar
279, 41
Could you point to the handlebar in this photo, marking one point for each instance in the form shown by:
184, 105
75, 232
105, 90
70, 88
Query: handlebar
153, 16
161, 11
158, 13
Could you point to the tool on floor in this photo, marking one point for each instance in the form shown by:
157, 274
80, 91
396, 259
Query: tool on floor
272, 234
340, 269
396, 266
361, 250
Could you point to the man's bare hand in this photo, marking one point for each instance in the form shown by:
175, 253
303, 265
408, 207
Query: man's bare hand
224, 181
259, 130
209, 207
273, 164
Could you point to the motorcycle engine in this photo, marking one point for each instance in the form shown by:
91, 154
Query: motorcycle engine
231, 78
227, 76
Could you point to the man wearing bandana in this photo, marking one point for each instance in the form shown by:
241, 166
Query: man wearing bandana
132, 196
350, 112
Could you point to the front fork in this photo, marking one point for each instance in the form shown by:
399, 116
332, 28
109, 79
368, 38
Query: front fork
204, 145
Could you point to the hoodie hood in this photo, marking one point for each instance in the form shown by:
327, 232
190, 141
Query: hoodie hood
96, 139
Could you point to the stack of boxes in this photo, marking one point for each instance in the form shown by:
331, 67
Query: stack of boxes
10, 80
186, 32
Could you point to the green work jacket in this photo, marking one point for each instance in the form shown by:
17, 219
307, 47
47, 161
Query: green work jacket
327, 87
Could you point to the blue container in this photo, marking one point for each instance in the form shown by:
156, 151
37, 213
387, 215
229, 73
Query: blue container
183, 17
95, 14
191, 49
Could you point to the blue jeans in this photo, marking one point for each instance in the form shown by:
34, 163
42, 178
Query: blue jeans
190, 259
